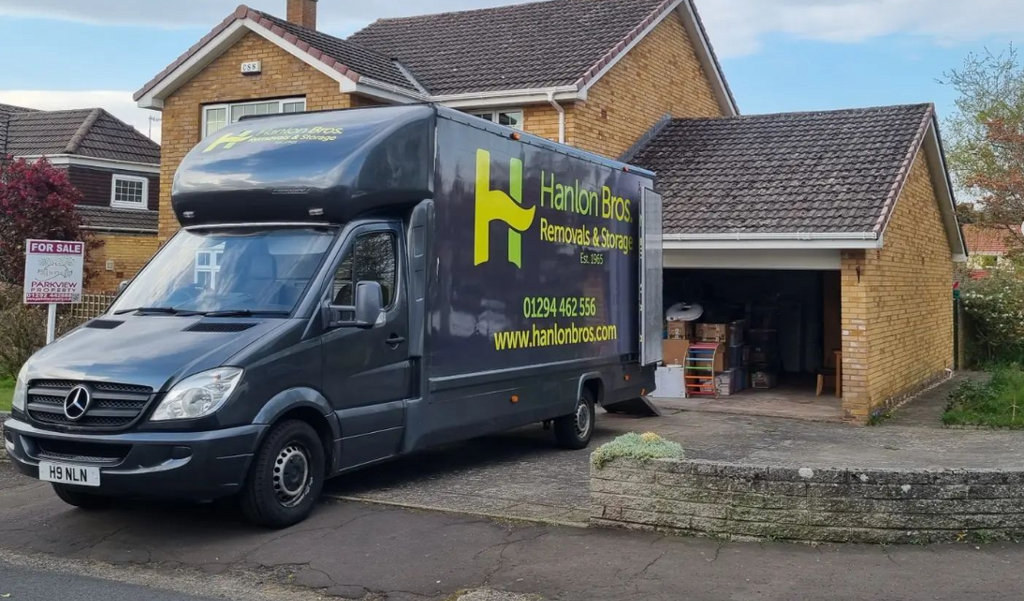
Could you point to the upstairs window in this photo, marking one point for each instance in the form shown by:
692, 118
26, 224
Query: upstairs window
508, 118
129, 192
217, 116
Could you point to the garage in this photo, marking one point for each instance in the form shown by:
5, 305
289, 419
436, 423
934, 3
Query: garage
777, 338
819, 247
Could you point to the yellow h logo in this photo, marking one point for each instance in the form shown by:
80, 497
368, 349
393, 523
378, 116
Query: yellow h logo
229, 140
495, 205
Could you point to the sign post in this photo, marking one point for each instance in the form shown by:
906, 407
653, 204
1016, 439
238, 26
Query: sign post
53, 276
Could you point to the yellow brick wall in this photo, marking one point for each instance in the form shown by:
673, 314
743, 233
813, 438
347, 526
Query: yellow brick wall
897, 311
283, 75
660, 75
129, 253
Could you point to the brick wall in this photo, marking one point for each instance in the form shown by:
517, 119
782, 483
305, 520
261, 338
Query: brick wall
129, 253
897, 308
877, 506
659, 75
283, 76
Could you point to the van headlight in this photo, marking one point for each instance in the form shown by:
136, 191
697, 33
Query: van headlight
20, 389
198, 395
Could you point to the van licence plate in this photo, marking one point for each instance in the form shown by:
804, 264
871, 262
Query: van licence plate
69, 474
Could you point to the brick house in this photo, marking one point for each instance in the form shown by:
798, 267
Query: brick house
990, 247
117, 170
858, 210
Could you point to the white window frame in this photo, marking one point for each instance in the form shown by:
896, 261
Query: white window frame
216, 255
492, 115
121, 204
227, 106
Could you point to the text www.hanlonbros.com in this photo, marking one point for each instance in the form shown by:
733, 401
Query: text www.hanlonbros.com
554, 335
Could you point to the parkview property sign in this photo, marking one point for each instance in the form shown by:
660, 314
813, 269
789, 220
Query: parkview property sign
53, 272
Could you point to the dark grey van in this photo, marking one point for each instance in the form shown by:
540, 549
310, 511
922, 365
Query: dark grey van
348, 287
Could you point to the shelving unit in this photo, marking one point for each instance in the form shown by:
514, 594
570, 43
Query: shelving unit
699, 370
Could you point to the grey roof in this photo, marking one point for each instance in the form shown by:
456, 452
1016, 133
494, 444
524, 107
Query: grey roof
85, 132
817, 172
6, 110
541, 44
360, 59
107, 218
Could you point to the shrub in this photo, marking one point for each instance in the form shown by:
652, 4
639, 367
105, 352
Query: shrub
996, 308
998, 403
643, 447
22, 330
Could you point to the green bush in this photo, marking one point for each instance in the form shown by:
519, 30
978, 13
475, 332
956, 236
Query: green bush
998, 403
996, 308
22, 330
642, 447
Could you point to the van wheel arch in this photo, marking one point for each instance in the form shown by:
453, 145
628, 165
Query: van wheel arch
323, 429
594, 384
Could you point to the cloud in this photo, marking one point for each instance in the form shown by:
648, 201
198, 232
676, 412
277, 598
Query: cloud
118, 103
338, 16
739, 27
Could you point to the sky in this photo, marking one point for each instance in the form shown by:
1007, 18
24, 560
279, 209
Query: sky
778, 55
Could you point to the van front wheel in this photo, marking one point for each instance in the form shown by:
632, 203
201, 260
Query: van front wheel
573, 431
286, 478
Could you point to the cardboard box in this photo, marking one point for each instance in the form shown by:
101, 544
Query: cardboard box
679, 330
730, 381
674, 351
713, 332
764, 379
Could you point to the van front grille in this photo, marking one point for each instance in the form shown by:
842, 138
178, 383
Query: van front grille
112, 406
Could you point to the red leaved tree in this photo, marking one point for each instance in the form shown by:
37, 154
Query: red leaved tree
36, 201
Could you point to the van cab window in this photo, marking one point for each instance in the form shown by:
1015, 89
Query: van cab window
257, 270
370, 259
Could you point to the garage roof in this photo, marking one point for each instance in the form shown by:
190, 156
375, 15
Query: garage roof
833, 174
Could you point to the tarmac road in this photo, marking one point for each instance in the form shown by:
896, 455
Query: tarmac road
22, 584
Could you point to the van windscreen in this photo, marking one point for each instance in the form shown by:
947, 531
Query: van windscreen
243, 270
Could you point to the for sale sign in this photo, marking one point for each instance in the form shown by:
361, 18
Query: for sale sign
53, 272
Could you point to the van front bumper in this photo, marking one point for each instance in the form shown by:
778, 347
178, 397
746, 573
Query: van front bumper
166, 465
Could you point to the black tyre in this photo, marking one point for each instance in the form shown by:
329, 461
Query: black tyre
79, 499
286, 477
573, 431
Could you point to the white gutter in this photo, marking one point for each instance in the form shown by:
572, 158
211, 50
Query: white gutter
776, 241
78, 160
561, 116
774, 236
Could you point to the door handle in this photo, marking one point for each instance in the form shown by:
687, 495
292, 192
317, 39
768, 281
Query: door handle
394, 340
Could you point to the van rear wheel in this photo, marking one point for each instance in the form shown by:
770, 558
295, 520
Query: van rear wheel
286, 477
79, 499
574, 431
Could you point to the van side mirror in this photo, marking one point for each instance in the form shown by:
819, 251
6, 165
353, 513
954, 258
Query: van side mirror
369, 299
122, 286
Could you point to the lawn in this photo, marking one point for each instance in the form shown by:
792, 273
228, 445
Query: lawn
6, 392
998, 403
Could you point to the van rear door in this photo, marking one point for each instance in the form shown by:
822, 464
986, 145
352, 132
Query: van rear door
651, 264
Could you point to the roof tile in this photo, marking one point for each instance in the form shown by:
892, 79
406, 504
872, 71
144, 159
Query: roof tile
819, 172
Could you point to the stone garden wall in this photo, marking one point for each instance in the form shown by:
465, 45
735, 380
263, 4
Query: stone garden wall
808, 504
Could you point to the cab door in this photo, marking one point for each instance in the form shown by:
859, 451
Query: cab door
367, 372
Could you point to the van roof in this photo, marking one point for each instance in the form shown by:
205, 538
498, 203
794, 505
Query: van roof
327, 166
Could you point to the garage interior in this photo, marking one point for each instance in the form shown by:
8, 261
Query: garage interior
784, 340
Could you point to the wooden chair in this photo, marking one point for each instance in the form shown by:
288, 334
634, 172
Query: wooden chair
832, 369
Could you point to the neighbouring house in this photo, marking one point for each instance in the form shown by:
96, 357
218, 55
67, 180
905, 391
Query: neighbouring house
844, 219
117, 170
990, 247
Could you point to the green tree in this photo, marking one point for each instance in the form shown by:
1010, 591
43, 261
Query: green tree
986, 136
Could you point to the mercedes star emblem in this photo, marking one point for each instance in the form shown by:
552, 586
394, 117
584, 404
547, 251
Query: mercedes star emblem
77, 403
